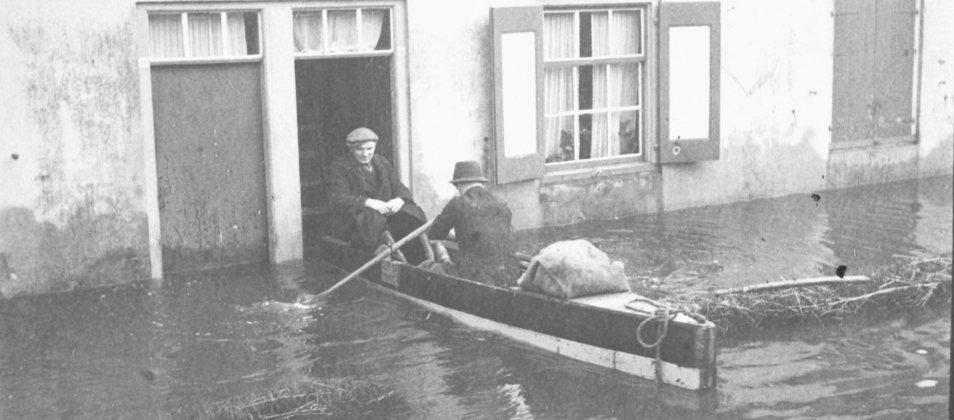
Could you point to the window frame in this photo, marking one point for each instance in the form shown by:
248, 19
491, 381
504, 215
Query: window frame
324, 28
249, 58
568, 170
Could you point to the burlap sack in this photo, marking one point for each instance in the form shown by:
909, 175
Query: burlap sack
571, 269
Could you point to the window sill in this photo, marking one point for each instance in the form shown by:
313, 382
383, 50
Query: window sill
579, 174
225, 59
864, 144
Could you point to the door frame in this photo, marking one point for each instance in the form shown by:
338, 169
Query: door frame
279, 114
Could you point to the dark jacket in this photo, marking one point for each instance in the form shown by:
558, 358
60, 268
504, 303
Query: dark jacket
350, 185
482, 223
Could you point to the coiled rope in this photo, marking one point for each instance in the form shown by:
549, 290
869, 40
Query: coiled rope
664, 313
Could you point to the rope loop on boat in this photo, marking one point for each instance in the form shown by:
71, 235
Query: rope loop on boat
663, 314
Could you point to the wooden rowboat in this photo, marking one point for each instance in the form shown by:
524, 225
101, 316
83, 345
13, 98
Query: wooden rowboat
598, 329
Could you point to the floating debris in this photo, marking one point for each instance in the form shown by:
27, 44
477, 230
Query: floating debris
917, 282
927, 383
921, 351
336, 398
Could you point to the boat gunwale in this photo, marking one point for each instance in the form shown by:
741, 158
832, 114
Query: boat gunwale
698, 340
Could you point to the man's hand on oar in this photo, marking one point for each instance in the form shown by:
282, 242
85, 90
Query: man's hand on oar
313, 300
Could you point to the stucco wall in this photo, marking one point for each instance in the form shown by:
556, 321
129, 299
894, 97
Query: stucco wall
937, 97
71, 207
775, 106
450, 64
776, 109
451, 95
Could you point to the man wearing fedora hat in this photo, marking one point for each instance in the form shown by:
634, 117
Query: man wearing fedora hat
482, 224
365, 189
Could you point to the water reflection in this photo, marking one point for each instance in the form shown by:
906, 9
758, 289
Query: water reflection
445, 370
139, 351
853, 371
766, 240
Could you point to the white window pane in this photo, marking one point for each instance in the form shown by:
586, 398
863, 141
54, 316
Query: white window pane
237, 41
372, 25
205, 34
600, 94
626, 137
307, 32
558, 39
559, 138
165, 35
558, 87
342, 31
600, 145
599, 35
689, 82
624, 84
626, 32
519, 88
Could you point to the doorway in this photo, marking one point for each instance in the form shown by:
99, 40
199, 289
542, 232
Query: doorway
335, 96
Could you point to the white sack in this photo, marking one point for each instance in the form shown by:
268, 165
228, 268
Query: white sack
571, 269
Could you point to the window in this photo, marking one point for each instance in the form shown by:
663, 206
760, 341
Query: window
342, 32
200, 36
570, 88
874, 72
593, 83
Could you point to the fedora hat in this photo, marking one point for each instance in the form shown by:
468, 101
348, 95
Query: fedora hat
361, 135
468, 171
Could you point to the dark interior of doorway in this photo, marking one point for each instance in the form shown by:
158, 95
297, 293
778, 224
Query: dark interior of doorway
334, 97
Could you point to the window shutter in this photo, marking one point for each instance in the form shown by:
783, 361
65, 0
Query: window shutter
518, 93
689, 82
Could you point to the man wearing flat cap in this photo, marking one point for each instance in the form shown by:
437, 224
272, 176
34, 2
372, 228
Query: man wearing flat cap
366, 190
482, 225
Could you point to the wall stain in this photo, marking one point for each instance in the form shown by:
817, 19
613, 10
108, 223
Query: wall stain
600, 199
88, 225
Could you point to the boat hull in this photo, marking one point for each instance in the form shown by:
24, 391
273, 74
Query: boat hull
595, 330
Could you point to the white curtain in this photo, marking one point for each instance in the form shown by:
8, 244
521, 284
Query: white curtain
342, 31
599, 34
558, 42
624, 91
625, 82
307, 32
372, 22
165, 35
626, 32
237, 43
205, 34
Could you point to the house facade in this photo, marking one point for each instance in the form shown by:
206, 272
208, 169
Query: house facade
141, 139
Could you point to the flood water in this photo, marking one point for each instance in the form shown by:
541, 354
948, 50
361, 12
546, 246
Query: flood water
142, 351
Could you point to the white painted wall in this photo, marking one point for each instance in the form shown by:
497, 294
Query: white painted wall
776, 97
937, 89
450, 60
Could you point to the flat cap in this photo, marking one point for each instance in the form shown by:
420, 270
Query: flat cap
361, 135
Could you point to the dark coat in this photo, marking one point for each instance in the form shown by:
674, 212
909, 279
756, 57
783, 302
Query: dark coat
350, 185
482, 223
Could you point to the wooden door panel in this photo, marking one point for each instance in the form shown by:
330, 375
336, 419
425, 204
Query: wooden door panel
894, 67
852, 111
210, 157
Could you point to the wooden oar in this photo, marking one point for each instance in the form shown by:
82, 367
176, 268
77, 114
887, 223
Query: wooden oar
377, 258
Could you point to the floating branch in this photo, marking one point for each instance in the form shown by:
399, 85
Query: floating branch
788, 284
